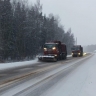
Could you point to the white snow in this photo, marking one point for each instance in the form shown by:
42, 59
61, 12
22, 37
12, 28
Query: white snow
4, 66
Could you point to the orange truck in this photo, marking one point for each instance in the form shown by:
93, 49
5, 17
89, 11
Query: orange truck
54, 51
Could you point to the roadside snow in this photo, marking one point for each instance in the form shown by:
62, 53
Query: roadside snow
69, 55
4, 66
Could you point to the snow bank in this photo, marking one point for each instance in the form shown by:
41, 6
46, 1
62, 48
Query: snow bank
4, 66
17, 64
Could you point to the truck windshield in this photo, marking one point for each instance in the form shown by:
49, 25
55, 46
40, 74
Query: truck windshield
50, 46
75, 48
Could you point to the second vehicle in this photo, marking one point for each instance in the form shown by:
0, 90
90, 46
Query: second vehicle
77, 50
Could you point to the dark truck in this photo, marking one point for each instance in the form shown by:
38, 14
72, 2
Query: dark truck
53, 51
77, 50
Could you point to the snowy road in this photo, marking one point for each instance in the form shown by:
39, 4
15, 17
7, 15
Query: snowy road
73, 77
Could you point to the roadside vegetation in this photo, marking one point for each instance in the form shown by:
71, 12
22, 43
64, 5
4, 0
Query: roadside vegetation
24, 29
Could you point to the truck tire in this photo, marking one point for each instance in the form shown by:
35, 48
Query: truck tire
55, 59
63, 56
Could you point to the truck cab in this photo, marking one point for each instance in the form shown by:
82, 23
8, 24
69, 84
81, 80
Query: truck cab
77, 50
54, 51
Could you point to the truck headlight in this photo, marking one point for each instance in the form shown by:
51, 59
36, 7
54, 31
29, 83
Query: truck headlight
55, 55
84, 53
45, 49
78, 53
54, 48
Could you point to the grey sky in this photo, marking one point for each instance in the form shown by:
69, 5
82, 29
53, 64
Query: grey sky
79, 15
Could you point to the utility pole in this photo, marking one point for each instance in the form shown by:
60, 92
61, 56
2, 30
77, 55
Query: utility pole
76, 41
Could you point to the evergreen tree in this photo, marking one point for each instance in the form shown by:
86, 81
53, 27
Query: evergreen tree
6, 28
24, 29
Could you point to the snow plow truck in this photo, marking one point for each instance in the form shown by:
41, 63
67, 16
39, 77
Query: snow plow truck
53, 51
77, 51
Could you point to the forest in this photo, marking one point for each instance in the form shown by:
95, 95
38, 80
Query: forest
25, 28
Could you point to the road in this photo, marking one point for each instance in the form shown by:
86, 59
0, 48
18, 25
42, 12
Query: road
62, 78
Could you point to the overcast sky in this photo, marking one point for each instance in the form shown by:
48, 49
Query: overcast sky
79, 15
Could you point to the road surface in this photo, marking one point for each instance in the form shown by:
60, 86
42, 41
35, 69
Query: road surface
71, 77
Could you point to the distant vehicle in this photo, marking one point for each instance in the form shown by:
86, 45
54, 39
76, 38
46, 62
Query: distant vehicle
54, 51
77, 50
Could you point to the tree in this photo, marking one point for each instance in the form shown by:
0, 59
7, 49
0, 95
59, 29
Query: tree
6, 28
24, 29
68, 39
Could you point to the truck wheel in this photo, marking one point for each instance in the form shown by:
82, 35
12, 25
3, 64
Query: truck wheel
55, 59
63, 57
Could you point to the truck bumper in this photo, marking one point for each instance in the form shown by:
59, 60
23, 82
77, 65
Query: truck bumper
47, 57
76, 54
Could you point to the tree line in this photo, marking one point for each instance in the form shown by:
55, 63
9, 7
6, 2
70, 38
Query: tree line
90, 48
24, 29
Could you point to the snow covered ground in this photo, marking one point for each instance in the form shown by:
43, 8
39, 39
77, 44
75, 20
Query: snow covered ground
4, 66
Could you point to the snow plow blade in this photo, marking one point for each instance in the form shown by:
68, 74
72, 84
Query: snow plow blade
47, 58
